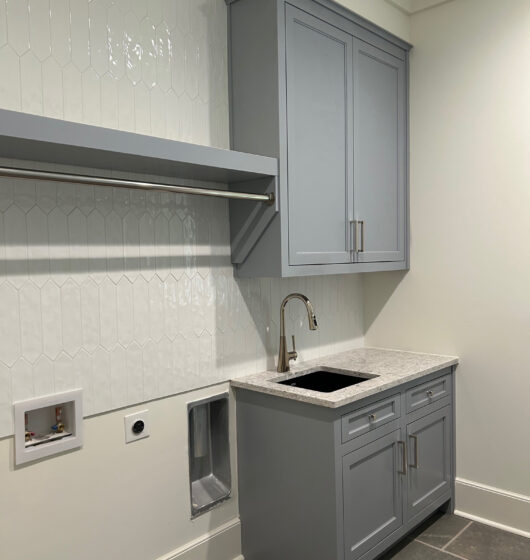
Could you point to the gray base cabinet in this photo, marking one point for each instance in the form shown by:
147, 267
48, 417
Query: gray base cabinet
344, 484
325, 92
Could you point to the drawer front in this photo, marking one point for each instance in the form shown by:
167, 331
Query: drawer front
428, 392
370, 418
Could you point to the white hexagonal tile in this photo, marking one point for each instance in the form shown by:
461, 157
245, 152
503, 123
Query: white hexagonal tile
186, 128
39, 28
84, 376
38, 248
156, 308
73, 93
147, 245
131, 238
171, 307
200, 122
31, 84
121, 201
135, 381
165, 373
117, 39
150, 371
149, 51
109, 101
155, 11
162, 246
96, 245
60, 30
63, 373
52, 89
191, 77
51, 319
91, 97
22, 380
101, 380
71, 317
43, 379
9, 324
133, 48
164, 52
80, 34
58, 245
125, 311
126, 105
103, 198
158, 112
178, 61
142, 109
10, 89
16, 242
118, 377
30, 321
99, 40
90, 319
172, 116
78, 244
108, 314
6, 193
24, 194
114, 246
18, 25
141, 310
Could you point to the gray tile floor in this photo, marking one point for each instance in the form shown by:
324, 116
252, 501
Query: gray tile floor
446, 537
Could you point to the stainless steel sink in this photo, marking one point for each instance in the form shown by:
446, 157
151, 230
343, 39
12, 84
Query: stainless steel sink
324, 379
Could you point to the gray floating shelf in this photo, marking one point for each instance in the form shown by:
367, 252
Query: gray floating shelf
31, 137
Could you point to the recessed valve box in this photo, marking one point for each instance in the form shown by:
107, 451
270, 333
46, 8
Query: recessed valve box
48, 425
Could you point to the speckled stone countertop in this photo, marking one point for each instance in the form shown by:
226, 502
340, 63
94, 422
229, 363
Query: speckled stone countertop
392, 368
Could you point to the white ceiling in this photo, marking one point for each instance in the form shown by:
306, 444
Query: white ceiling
412, 6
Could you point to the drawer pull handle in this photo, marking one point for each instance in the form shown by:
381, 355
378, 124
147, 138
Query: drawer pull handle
403, 458
429, 394
415, 439
371, 417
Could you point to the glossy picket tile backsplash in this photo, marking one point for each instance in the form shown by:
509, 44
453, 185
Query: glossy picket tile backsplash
132, 296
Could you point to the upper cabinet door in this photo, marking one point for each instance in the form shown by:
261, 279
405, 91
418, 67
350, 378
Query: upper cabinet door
319, 137
380, 154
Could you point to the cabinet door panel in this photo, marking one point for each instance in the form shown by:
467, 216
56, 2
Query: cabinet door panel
319, 133
372, 494
379, 153
430, 476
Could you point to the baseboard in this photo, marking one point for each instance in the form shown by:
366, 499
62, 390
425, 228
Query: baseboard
223, 543
492, 506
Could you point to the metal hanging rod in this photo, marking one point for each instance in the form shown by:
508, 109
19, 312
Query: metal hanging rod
127, 184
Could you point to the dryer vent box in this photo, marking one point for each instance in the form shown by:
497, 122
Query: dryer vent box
209, 453
48, 425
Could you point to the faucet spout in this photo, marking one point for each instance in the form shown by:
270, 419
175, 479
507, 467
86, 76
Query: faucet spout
284, 356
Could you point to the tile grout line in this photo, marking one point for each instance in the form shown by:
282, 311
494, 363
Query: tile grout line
455, 537
442, 550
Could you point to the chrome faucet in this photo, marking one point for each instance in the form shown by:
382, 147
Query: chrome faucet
284, 356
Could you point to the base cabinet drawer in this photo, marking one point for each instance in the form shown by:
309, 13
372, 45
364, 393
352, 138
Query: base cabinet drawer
370, 418
427, 393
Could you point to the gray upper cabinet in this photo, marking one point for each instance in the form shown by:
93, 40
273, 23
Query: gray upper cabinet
319, 135
325, 92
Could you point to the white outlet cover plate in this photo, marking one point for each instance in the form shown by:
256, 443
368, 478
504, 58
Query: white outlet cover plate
130, 419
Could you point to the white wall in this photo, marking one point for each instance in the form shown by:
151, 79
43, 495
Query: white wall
467, 292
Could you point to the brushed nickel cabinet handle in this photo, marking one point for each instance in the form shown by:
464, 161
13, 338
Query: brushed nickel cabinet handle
429, 394
353, 238
403, 458
371, 417
361, 250
415, 439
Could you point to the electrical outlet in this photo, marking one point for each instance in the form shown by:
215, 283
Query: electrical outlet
136, 426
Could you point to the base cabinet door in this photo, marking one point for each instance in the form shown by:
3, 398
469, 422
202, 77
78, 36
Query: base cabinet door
429, 460
372, 494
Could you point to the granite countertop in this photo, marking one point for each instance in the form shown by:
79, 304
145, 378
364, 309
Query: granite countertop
392, 367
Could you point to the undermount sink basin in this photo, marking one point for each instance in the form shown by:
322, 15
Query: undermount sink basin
325, 380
